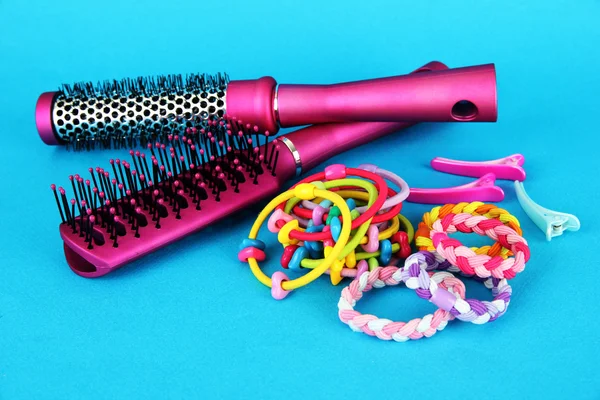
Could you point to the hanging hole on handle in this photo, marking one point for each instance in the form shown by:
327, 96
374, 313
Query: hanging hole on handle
464, 110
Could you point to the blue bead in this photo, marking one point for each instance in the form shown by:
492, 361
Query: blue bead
385, 247
300, 254
259, 244
351, 204
336, 228
314, 248
315, 228
325, 203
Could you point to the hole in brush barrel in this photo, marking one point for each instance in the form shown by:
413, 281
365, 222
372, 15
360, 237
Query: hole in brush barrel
464, 110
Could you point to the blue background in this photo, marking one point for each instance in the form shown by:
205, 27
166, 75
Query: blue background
190, 321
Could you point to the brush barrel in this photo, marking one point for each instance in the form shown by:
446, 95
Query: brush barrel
83, 116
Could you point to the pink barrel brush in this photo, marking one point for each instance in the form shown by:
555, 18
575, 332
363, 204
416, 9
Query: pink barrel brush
123, 113
132, 208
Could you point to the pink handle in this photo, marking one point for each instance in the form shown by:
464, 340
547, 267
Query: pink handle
460, 94
321, 142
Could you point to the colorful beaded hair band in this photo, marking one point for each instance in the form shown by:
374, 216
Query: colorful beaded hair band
339, 171
252, 250
334, 226
392, 201
357, 262
320, 213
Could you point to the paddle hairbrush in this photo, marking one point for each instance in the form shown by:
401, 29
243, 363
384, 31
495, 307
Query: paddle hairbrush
123, 113
192, 180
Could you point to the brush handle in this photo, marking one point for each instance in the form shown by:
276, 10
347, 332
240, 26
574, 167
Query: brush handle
317, 143
461, 94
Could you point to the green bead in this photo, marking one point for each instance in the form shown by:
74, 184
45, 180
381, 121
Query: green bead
372, 263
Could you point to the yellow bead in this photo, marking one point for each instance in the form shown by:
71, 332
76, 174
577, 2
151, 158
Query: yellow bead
284, 233
351, 260
305, 191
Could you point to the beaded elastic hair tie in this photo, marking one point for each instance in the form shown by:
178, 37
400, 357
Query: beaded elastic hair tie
253, 249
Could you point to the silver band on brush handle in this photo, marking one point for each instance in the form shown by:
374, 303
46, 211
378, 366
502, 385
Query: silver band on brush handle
297, 161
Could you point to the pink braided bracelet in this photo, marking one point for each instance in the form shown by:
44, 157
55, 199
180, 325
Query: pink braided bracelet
467, 260
386, 329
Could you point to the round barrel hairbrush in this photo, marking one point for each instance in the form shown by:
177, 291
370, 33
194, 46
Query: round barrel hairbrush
129, 111
177, 187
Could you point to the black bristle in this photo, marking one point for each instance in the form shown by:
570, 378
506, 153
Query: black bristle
202, 165
146, 86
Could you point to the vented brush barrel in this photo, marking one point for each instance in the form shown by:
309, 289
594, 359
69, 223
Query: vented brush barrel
142, 109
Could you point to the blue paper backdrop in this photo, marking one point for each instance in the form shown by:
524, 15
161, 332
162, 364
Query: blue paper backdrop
190, 321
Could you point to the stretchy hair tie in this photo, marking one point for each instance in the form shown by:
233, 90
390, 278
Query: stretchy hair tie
423, 239
467, 260
280, 284
392, 201
386, 329
339, 171
400, 244
356, 195
416, 275
334, 228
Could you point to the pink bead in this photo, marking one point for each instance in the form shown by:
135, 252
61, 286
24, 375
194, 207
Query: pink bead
251, 252
317, 215
276, 290
372, 244
361, 268
276, 216
335, 171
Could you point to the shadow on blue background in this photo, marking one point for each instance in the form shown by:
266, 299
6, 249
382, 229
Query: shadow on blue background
190, 321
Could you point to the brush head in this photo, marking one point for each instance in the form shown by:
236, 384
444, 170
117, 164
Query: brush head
182, 183
122, 113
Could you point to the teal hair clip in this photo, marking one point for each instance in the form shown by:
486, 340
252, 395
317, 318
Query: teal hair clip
553, 223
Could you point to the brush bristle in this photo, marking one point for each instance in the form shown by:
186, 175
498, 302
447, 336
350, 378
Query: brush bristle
124, 113
146, 86
179, 171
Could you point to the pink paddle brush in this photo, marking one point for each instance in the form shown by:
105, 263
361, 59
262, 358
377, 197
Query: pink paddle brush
134, 208
122, 113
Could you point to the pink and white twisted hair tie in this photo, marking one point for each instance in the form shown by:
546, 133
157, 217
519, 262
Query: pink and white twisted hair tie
386, 329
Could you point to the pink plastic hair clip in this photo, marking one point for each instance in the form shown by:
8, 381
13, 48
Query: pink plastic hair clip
483, 189
509, 168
